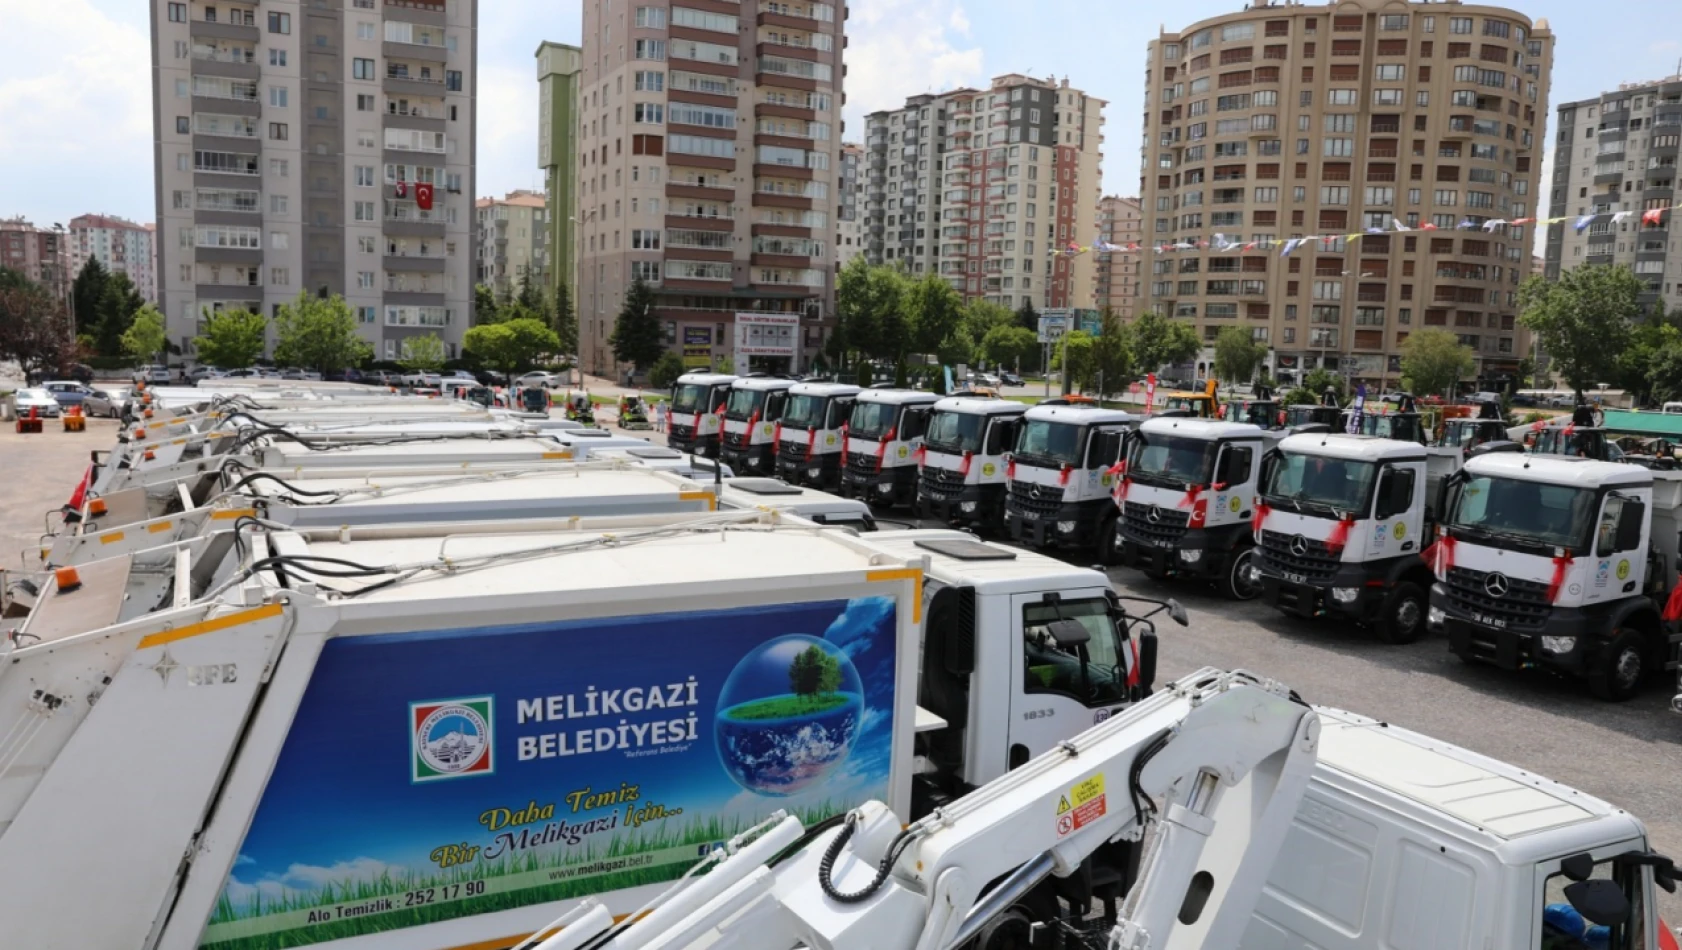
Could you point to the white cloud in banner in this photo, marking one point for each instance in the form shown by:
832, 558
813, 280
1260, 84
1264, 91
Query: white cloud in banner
308, 879
899, 48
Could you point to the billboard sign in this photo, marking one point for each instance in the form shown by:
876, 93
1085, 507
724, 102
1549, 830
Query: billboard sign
1053, 324
495, 768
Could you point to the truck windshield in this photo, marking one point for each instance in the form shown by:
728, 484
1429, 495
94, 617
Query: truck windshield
955, 432
1305, 483
872, 420
1547, 515
691, 397
1055, 443
1170, 461
1093, 672
744, 403
805, 412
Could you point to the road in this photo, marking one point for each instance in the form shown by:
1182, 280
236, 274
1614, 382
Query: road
1628, 754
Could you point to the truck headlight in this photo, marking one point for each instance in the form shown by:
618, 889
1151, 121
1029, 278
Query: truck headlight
885, 488
814, 472
1345, 595
1435, 616
1067, 527
1558, 644
1191, 555
967, 507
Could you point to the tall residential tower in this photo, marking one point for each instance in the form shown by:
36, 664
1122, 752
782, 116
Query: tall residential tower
558, 66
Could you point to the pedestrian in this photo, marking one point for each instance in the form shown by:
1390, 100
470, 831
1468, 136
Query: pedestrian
660, 417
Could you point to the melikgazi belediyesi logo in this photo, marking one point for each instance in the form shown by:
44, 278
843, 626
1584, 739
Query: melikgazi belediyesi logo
450, 738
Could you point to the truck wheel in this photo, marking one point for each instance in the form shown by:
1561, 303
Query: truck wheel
1239, 581
1620, 667
1106, 549
1403, 616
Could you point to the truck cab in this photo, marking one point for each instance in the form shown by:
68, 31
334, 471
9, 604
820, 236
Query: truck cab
1060, 476
1197, 405
884, 433
1559, 563
698, 412
809, 451
963, 470
753, 414
1339, 527
1186, 499
1309, 415
1468, 434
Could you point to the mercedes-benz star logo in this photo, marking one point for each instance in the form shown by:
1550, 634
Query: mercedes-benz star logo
1037, 491
1299, 545
1496, 585
1154, 515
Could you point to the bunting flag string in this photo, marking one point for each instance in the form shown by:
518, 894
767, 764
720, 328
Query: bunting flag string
1650, 218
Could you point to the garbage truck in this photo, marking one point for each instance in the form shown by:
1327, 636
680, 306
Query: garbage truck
753, 415
810, 450
884, 439
697, 412
962, 479
1060, 477
1560, 564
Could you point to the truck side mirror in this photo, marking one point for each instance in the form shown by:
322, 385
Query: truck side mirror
1069, 633
1600, 901
1147, 659
1630, 521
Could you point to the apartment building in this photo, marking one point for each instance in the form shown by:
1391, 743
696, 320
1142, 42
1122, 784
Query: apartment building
1119, 225
984, 186
317, 148
1361, 118
1617, 154
709, 136
849, 225
558, 66
512, 238
121, 247
37, 253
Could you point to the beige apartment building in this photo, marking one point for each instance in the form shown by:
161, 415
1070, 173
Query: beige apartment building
120, 246
849, 225
1119, 225
709, 142
316, 148
40, 254
513, 242
1365, 117
984, 187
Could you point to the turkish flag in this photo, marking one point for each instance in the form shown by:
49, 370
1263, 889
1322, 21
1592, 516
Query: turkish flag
423, 196
402, 189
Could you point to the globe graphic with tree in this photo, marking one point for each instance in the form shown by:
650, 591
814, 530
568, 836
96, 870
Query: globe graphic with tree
788, 715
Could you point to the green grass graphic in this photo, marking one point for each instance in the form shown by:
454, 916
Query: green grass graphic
786, 707
695, 832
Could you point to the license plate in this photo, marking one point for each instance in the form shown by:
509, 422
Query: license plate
1489, 621
1296, 578
1029, 516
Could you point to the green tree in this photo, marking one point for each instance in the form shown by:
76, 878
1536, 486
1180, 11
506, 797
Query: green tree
1237, 355
666, 370
319, 333
1028, 318
1583, 320
1073, 357
116, 307
1112, 358
529, 297
1318, 380
1010, 345
564, 319
835, 345
1434, 360
1667, 374
870, 300
512, 346
1635, 365
1157, 341
813, 672
145, 338
637, 338
34, 327
933, 312
422, 354
484, 305
232, 339
86, 293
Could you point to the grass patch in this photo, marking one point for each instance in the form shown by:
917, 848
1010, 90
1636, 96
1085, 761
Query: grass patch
786, 707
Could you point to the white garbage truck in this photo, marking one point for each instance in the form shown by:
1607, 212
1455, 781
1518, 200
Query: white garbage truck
697, 412
884, 439
753, 416
1187, 499
1061, 475
1561, 564
809, 449
963, 468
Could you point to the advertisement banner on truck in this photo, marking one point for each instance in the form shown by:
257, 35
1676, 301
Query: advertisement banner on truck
438, 775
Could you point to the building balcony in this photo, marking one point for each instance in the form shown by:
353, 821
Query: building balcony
764, 199
241, 144
227, 68
780, 230
780, 260
713, 254
241, 292
228, 255
221, 106
700, 223
410, 226
793, 22
202, 29
410, 298
781, 171
421, 123
415, 52
787, 51
781, 111
412, 84
699, 192
415, 263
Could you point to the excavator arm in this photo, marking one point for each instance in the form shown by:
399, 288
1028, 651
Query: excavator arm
1217, 761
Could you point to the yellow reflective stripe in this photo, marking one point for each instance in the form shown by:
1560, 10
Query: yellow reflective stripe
160, 526
231, 513
557, 455
900, 574
111, 537
706, 496
211, 626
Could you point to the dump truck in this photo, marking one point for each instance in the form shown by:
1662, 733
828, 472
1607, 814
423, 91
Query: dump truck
962, 479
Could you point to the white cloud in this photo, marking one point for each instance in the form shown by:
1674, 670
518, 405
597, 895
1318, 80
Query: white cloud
76, 96
507, 127
900, 48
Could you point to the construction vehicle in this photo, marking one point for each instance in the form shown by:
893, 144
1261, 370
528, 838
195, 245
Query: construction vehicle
753, 415
1581, 435
884, 438
1467, 432
1327, 413
1339, 527
1203, 405
810, 450
579, 407
1187, 496
1060, 476
698, 412
1262, 410
633, 413
962, 479
1561, 564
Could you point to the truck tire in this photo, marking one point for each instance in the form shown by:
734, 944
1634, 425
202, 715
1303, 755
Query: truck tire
1402, 619
1238, 581
1620, 667
1106, 550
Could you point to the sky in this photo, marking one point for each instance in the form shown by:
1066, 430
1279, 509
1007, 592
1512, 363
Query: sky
75, 89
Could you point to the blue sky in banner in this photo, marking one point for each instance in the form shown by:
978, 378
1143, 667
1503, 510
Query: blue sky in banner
75, 84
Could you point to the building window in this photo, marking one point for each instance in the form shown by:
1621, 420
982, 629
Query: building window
277, 57
649, 49
452, 80
279, 276
278, 131
649, 81
365, 279
366, 315
365, 211
365, 244
277, 204
365, 31
364, 103
365, 176
280, 22
277, 96
362, 69
178, 13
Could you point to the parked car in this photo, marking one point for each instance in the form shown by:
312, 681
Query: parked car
1009, 379
538, 378
80, 372
110, 403
422, 379
199, 374
67, 392
382, 377
1524, 402
40, 400
244, 373
152, 374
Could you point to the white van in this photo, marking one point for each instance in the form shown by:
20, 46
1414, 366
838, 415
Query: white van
1672, 407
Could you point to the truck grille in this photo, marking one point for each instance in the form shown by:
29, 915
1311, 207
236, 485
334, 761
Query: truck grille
1524, 606
1316, 562
1021, 498
861, 463
941, 483
1165, 531
791, 450
682, 433
737, 440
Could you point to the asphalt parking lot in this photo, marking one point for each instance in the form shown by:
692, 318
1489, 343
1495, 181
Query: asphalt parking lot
1629, 754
